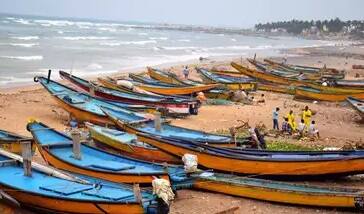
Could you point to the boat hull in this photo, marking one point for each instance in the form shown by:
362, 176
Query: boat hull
163, 78
274, 195
58, 205
263, 168
114, 177
138, 152
324, 96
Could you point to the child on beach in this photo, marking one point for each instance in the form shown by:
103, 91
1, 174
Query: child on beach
301, 128
275, 118
286, 127
313, 131
186, 72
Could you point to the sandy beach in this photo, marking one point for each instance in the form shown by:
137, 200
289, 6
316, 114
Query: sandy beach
338, 124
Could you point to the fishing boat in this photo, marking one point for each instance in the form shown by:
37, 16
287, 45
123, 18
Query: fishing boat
314, 94
84, 107
281, 192
12, 142
56, 149
285, 89
48, 190
263, 164
165, 90
170, 131
231, 83
128, 144
353, 84
267, 77
357, 105
304, 69
148, 81
165, 77
175, 106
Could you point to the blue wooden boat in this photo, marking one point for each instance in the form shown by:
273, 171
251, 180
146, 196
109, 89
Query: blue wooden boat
175, 106
357, 104
47, 192
11, 141
84, 107
228, 82
149, 81
170, 131
56, 149
260, 164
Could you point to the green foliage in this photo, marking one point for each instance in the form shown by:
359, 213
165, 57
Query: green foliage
296, 26
285, 146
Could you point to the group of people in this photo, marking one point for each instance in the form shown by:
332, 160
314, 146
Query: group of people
289, 125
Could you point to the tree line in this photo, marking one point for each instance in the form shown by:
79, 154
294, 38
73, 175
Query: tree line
326, 26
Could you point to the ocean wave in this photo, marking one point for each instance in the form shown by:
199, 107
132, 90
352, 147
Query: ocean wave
184, 40
26, 37
25, 45
74, 38
172, 48
129, 43
158, 38
25, 58
11, 79
109, 29
22, 21
143, 34
94, 66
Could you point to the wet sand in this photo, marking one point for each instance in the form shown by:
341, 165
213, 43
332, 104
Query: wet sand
337, 122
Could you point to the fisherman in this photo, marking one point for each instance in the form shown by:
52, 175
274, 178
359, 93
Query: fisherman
313, 131
291, 121
301, 128
306, 116
201, 97
186, 72
261, 140
275, 118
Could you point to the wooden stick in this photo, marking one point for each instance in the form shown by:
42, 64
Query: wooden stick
26, 147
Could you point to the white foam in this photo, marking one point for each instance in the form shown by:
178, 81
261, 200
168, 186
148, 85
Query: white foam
107, 29
129, 43
60, 32
22, 21
111, 44
12, 79
25, 58
25, 45
184, 40
158, 38
26, 37
180, 48
234, 40
142, 34
94, 66
75, 38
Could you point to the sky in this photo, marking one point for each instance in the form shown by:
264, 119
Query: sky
236, 13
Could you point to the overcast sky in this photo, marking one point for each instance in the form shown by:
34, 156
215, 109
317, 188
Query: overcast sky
239, 13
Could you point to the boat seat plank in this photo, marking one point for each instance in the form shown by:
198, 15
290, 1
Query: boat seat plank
108, 165
67, 189
110, 194
113, 132
7, 163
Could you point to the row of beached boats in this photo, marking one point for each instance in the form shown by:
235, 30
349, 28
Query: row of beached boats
130, 143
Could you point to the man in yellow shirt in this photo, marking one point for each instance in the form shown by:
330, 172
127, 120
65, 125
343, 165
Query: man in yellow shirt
306, 116
291, 120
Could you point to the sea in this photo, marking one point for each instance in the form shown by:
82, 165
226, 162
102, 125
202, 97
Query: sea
31, 45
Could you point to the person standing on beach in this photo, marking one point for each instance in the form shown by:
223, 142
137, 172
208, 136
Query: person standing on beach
306, 116
186, 72
275, 118
291, 120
